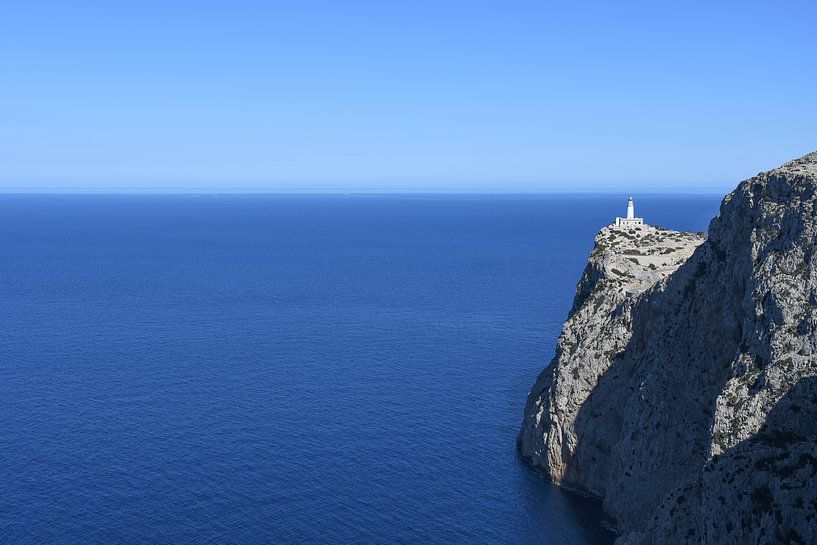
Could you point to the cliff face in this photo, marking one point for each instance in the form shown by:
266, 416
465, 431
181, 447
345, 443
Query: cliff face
623, 265
687, 402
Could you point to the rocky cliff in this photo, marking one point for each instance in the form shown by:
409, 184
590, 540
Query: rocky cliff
684, 386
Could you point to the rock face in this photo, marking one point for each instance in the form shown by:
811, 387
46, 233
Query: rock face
623, 265
685, 395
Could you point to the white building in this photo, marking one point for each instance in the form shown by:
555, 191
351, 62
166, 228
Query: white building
630, 220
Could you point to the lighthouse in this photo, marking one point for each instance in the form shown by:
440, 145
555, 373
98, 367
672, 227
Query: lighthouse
630, 220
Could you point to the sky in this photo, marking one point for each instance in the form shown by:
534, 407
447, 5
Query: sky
440, 95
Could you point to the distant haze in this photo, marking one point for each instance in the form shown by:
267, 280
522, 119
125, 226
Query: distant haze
403, 96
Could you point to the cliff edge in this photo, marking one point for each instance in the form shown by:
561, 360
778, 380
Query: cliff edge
684, 386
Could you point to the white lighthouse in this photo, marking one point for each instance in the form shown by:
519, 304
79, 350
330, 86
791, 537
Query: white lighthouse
630, 220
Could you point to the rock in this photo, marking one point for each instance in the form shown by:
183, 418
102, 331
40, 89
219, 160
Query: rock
623, 264
673, 391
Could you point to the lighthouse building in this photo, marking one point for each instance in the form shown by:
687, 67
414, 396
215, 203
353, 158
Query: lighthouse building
630, 220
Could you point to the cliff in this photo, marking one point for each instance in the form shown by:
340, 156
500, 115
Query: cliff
684, 395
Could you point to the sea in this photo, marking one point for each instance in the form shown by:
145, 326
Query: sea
288, 368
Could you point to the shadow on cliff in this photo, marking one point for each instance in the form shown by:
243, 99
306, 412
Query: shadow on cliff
765, 480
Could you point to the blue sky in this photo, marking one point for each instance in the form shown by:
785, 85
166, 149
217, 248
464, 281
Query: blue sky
396, 96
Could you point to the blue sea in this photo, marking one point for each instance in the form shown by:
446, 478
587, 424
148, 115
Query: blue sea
288, 369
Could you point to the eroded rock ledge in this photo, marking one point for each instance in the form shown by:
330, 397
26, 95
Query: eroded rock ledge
683, 386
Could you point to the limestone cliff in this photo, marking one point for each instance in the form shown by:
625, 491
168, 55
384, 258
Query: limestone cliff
684, 394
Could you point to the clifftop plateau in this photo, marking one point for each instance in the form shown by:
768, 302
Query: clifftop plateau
684, 386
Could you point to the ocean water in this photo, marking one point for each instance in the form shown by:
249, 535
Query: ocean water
287, 369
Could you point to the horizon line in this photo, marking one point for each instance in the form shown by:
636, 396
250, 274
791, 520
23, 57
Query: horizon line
350, 192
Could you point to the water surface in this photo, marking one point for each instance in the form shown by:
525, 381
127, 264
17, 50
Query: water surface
287, 369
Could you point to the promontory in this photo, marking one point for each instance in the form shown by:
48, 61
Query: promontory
683, 391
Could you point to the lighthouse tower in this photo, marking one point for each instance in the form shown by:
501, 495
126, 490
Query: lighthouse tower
630, 220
